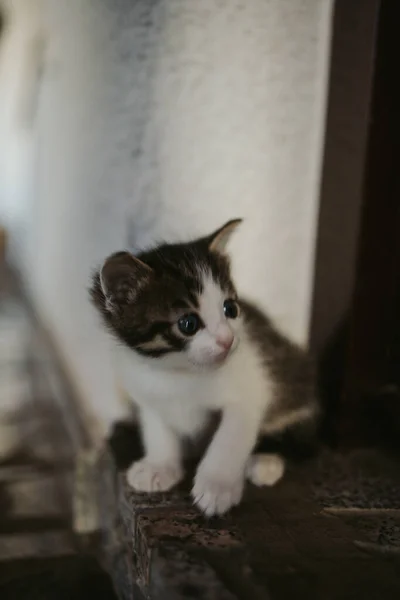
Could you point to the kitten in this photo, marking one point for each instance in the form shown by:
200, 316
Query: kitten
189, 347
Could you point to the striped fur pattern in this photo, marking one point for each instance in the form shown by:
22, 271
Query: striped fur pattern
189, 349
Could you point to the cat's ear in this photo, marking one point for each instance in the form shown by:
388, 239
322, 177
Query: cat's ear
218, 240
121, 276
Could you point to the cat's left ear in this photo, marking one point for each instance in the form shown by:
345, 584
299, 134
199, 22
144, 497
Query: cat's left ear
218, 240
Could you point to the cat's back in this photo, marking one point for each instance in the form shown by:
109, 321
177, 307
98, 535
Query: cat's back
291, 369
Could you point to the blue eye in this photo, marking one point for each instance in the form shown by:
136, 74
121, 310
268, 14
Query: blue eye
231, 309
189, 324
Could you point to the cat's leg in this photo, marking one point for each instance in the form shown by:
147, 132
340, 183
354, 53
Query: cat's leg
220, 476
265, 469
161, 467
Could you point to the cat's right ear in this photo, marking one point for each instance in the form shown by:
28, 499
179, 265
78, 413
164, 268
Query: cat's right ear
218, 240
121, 275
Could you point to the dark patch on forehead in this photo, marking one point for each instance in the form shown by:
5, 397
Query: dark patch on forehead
188, 263
181, 304
221, 273
193, 297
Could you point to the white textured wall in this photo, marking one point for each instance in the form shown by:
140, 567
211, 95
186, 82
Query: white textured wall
160, 120
20, 48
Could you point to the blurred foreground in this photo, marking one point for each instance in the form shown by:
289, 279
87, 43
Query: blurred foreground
39, 554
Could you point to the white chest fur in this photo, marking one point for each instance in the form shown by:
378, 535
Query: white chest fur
183, 398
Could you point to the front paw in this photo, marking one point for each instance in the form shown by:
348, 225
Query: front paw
214, 494
144, 476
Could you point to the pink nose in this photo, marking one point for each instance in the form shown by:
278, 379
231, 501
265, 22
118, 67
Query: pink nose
225, 342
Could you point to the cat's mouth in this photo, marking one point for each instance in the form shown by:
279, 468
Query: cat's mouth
229, 354
221, 358
226, 355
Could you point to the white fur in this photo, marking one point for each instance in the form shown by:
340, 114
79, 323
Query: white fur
204, 350
175, 395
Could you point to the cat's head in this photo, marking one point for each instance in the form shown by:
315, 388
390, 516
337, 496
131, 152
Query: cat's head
175, 303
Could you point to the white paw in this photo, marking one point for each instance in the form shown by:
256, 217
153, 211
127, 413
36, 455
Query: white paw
265, 469
144, 476
215, 495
